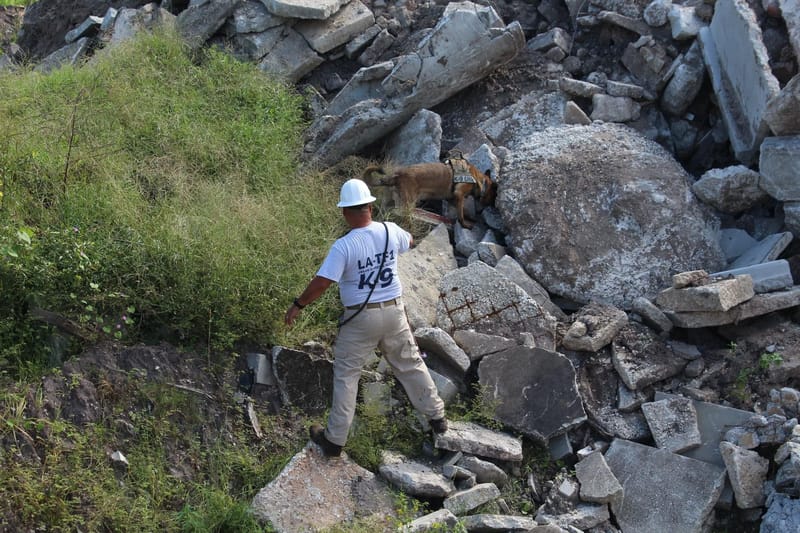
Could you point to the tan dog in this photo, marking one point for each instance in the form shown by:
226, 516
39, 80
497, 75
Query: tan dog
456, 178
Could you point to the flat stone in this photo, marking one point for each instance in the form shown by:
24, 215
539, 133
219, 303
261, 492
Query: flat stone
466, 500
491, 523
485, 471
656, 483
767, 249
467, 437
598, 483
325, 35
758, 305
767, 277
417, 479
340, 489
713, 421
717, 296
594, 326
673, 423
738, 65
734, 242
442, 518
536, 391
641, 358
304, 9
747, 472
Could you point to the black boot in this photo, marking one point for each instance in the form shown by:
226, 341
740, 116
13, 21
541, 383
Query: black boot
439, 425
317, 434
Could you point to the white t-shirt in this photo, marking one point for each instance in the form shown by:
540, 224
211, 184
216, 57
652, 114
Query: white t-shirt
354, 262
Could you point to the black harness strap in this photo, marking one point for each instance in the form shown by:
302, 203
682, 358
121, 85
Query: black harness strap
377, 279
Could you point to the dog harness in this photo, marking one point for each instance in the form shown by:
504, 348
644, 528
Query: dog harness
461, 174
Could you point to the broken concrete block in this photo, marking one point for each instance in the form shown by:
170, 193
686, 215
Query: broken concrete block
641, 358
731, 189
325, 35
767, 277
717, 296
614, 108
758, 305
598, 483
594, 326
783, 111
713, 421
536, 391
689, 279
767, 249
467, 437
779, 165
655, 483
738, 65
464, 501
652, 315
747, 472
442, 518
304, 9
673, 423
734, 242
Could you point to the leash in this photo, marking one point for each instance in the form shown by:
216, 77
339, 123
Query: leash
377, 279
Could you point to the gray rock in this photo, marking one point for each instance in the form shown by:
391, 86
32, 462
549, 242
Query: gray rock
295, 371
325, 35
417, 479
642, 359
608, 226
442, 518
732, 189
747, 472
782, 516
485, 471
418, 141
310, 477
489, 523
594, 326
467, 437
536, 391
656, 483
421, 270
304, 9
477, 297
673, 423
477, 345
464, 501
598, 483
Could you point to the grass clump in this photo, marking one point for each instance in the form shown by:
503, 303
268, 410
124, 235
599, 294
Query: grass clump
151, 194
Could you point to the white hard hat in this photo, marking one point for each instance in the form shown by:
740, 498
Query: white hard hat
354, 192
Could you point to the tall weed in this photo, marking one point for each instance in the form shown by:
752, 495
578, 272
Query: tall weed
163, 199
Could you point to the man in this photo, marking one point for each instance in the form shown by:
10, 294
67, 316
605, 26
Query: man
364, 264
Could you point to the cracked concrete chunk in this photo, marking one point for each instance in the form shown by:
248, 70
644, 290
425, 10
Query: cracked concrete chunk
656, 483
641, 358
535, 390
673, 423
480, 298
467, 437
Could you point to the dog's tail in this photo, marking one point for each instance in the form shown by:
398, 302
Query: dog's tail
375, 175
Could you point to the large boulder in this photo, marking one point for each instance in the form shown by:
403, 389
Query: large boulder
600, 213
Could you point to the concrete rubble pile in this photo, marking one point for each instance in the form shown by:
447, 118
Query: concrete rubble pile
581, 303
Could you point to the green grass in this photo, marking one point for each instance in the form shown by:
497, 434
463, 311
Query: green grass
153, 194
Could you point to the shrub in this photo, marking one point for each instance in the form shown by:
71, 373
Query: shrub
150, 194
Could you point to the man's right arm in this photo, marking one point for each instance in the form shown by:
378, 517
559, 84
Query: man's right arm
316, 287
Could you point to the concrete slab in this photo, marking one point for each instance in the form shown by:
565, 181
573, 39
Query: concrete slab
758, 305
738, 65
734, 242
768, 248
657, 484
767, 277
713, 421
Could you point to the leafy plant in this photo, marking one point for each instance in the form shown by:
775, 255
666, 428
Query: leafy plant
767, 360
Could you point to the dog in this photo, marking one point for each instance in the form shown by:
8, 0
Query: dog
456, 179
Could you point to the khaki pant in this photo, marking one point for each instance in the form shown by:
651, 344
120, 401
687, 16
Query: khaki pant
387, 328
